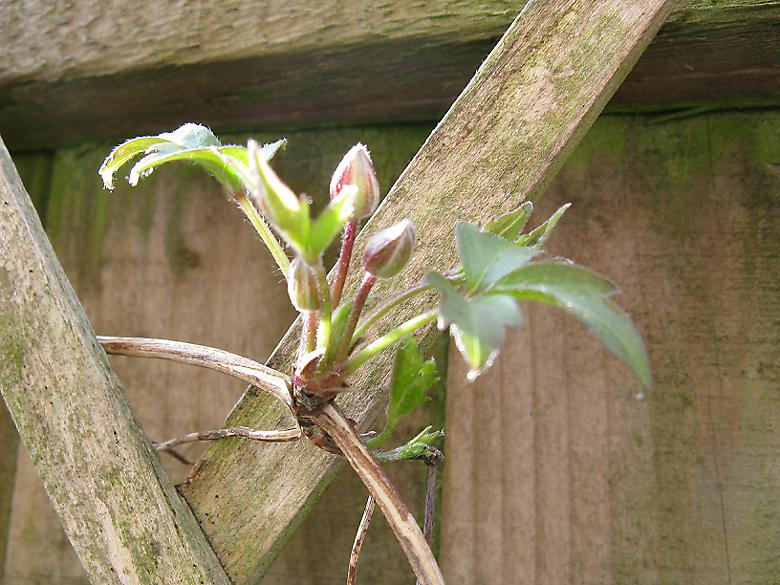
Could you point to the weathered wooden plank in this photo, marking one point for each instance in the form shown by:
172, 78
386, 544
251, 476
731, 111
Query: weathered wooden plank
179, 261
96, 69
503, 141
121, 512
555, 474
35, 172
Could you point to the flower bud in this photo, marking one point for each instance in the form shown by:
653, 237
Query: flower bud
277, 201
387, 252
357, 169
302, 286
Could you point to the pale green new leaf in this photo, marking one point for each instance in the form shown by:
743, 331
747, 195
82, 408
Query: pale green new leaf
509, 225
539, 235
585, 295
487, 257
190, 142
478, 324
331, 220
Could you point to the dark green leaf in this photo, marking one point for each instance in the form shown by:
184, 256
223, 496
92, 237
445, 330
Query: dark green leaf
585, 295
486, 257
478, 324
411, 380
539, 235
510, 224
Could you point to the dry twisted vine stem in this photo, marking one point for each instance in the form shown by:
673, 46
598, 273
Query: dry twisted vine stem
279, 436
360, 538
325, 415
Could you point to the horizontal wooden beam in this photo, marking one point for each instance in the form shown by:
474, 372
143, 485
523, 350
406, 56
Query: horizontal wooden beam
113, 68
502, 142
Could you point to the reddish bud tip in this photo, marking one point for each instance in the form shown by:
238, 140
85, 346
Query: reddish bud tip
387, 252
302, 286
357, 169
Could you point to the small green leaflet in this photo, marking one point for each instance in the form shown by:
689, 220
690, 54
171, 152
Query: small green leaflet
539, 235
331, 221
585, 295
478, 323
419, 447
411, 380
509, 225
487, 257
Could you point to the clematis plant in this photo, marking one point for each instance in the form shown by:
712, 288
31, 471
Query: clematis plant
499, 264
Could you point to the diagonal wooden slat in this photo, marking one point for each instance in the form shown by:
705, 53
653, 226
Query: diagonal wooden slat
118, 507
502, 142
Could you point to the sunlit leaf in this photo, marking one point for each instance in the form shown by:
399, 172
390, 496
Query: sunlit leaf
539, 235
585, 295
331, 220
509, 225
478, 324
487, 257
190, 142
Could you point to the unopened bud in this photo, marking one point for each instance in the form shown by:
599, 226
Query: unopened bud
302, 286
278, 202
357, 169
387, 252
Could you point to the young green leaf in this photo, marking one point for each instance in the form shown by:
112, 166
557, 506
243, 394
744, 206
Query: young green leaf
539, 235
585, 295
510, 224
487, 257
478, 324
288, 213
411, 380
331, 220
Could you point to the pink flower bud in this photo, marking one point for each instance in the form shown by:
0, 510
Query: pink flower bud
357, 169
302, 286
387, 252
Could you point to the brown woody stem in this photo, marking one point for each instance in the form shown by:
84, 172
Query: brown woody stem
360, 537
266, 379
403, 524
278, 436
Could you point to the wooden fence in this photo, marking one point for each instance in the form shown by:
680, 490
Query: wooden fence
554, 473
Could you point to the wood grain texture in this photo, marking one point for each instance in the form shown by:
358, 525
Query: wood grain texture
95, 69
502, 142
35, 172
119, 509
171, 258
555, 474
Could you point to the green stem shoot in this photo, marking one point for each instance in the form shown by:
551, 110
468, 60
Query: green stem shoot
387, 340
384, 307
261, 227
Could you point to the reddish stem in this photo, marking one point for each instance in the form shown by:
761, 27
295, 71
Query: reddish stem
345, 343
345, 257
